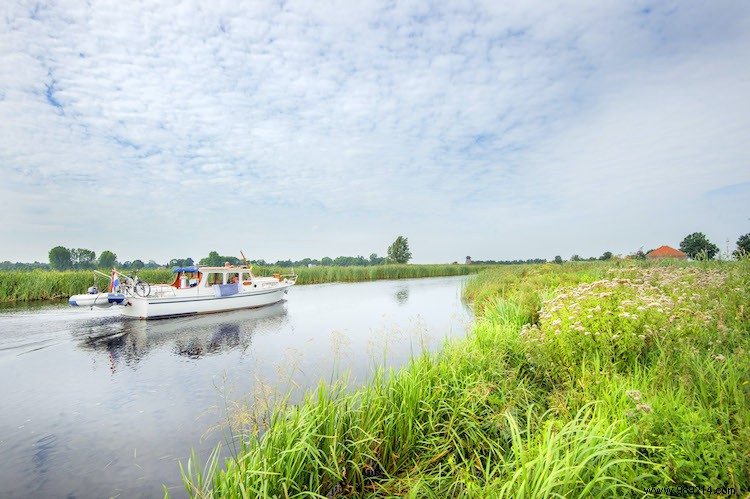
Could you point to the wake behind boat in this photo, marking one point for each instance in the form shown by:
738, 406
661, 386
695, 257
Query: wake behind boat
195, 290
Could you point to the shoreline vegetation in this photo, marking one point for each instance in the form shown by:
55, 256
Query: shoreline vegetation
576, 380
37, 285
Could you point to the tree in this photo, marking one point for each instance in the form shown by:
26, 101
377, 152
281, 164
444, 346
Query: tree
137, 265
558, 260
697, 246
575, 258
343, 261
181, 262
606, 256
376, 260
639, 255
398, 252
59, 258
82, 258
107, 259
215, 260
212, 260
743, 246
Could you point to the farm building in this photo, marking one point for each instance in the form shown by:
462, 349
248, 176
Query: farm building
666, 252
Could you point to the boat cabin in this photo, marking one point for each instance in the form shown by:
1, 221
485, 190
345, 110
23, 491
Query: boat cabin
186, 277
190, 277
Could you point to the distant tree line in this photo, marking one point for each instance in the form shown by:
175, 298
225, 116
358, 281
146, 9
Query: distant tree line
696, 245
606, 256
215, 260
8, 265
62, 258
398, 252
508, 262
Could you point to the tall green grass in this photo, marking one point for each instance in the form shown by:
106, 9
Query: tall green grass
43, 285
50, 284
47, 285
489, 416
318, 275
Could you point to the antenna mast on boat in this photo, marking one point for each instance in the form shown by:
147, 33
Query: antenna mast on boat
246, 264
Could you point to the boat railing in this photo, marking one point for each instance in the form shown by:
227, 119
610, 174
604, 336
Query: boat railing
162, 290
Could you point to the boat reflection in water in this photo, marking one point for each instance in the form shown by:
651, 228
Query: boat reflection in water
128, 341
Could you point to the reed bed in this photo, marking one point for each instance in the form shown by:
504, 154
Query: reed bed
53, 285
50, 285
318, 275
514, 411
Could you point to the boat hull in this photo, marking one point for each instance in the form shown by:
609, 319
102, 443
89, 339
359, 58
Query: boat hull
174, 306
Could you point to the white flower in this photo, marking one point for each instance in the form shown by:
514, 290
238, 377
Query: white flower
634, 395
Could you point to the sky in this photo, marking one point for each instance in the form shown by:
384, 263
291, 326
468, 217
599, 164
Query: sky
493, 129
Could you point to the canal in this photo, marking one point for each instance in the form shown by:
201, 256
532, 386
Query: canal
96, 405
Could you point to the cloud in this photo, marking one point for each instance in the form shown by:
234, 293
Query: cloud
535, 121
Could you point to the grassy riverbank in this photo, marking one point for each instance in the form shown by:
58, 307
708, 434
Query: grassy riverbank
49, 285
579, 380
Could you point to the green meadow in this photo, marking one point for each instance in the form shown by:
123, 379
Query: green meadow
50, 285
576, 380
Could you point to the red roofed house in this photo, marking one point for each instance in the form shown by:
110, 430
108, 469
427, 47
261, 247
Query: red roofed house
666, 252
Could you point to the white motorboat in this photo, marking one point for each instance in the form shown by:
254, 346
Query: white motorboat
195, 290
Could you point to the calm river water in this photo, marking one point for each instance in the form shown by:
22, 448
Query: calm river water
95, 405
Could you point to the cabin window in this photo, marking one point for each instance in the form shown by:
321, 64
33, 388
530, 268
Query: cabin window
215, 278
233, 277
246, 278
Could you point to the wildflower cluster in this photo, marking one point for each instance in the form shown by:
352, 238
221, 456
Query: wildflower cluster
622, 320
636, 397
